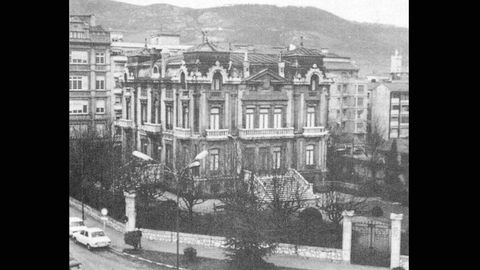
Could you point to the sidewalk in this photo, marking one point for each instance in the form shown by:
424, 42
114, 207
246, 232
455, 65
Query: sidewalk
218, 253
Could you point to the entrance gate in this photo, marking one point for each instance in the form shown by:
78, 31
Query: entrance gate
371, 242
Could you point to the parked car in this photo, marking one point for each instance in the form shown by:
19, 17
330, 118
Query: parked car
92, 238
76, 225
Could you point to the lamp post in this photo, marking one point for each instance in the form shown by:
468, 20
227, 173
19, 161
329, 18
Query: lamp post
177, 174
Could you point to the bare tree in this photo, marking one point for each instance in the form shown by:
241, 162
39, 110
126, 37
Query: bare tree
374, 142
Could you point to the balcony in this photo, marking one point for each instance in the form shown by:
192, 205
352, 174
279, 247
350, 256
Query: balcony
155, 76
314, 131
117, 107
124, 123
217, 134
394, 112
152, 128
117, 91
404, 102
394, 124
101, 68
395, 100
183, 132
266, 133
79, 67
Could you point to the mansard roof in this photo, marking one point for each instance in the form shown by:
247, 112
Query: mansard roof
254, 58
302, 51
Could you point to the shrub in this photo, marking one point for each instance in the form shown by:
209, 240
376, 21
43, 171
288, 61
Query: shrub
132, 238
190, 254
377, 211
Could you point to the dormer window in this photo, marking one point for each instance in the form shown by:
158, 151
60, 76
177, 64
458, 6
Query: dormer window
217, 81
314, 82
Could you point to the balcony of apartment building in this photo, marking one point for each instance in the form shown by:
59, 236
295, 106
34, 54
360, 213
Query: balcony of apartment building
124, 123
117, 91
266, 133
314, 131
404, 101
79, 67
102, 67
395, 101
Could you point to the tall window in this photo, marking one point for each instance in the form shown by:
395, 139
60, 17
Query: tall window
78, 57
359, 114
169, 117
153, 114
217, 81
100, 82
214, 118
309, 155
214, 160
186, 116
168, 155
314, 82
100, 58
100, 106
263, 121
249, 119
277, 118
77, 82
143, 112
310, 116
276, 158
78, 107
144, 146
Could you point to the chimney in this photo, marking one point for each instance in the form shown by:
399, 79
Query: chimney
92, 20
301, 41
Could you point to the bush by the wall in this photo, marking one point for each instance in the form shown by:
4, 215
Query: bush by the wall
133, 238
190, 254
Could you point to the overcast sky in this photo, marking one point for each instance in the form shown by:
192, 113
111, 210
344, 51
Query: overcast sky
374, 11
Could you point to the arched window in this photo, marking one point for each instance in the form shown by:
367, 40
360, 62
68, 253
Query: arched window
182, 81
217, 81
314, 82
155, 70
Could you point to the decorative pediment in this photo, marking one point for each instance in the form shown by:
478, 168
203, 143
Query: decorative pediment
265, 77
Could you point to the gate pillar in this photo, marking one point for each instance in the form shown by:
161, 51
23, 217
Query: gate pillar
396, 234
347, 236
130, 211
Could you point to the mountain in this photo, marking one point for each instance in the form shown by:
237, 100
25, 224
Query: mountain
370, 45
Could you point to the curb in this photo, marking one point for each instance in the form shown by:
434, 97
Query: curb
146, 260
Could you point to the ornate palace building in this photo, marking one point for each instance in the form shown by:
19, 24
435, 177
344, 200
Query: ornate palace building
255, 111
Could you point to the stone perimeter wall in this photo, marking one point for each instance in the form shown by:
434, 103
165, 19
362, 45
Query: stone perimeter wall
331, 254
404, 262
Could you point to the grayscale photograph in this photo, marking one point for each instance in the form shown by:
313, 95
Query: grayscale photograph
239, 134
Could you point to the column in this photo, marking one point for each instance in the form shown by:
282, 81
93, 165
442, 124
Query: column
191, 113
124, 105
289, 108
239, 111
163, 111
347, 235
301, 112
395, 241
320, 154
226, 112
175, 108
130, 211
203, 112
149, 105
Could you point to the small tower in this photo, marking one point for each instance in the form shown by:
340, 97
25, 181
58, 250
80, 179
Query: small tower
246, 66
396, 63
281, 66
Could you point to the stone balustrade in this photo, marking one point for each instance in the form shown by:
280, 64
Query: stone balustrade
217, 134
124, 123
314, 131
266, 133
183, 132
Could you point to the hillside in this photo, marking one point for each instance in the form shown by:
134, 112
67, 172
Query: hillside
370, 45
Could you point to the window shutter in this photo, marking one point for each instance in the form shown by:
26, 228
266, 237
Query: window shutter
220, 117
244, 121
284, 117
256, 120
270, 117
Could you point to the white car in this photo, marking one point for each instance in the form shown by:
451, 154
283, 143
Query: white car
92, 238
76, 225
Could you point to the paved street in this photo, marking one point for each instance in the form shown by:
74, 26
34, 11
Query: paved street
218, 253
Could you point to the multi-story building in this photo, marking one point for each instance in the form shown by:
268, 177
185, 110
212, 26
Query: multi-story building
267, 111
89, 76
390, 110
348, 98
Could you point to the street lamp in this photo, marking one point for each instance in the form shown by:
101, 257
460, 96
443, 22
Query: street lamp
177, 174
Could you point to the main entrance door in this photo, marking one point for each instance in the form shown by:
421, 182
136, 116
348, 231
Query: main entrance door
371, 242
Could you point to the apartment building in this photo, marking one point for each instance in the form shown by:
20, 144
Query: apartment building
348, 101
390, 110
260, 112
89, 76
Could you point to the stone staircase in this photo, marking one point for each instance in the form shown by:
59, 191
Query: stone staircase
288, 187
